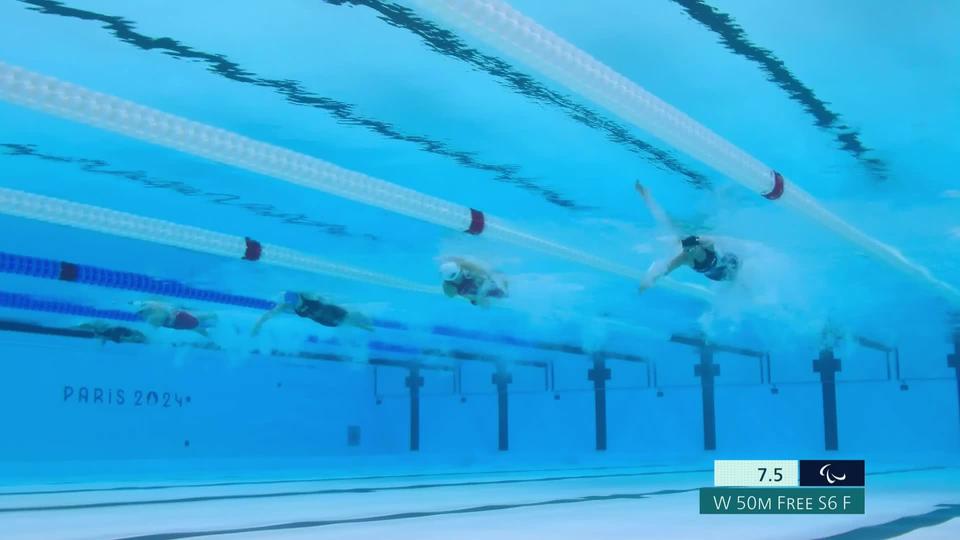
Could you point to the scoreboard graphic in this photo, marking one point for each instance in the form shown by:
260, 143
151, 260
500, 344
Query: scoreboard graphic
785, 487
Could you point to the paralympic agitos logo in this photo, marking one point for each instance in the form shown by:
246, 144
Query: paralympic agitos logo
842, 472
831, 479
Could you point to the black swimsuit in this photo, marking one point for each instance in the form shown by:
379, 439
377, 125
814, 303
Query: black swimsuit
722, 268
707, 264
469, 285
317, 311
119, 334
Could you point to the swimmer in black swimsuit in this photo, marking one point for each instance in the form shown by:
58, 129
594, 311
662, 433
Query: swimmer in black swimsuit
316, 309
117, 334
696, 252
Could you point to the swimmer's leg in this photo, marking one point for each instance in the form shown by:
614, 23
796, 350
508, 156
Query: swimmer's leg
500, 286
491, 288
206, 321
358, 320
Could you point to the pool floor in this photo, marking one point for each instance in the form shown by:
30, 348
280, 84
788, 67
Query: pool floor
920, 502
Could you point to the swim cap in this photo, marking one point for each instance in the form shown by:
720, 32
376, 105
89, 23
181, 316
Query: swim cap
291, 297
449, 270
690, 242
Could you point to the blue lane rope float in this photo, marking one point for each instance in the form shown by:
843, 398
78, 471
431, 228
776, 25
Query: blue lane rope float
113, 279
26, 302
381, 346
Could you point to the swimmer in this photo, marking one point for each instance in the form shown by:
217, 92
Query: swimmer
164, 315
317, 310
470, 281
697, 252
117, 334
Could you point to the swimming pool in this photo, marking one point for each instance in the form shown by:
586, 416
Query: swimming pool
437, 204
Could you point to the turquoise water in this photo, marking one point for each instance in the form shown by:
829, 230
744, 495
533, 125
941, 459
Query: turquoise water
855, 103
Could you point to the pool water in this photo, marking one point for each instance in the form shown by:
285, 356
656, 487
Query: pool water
171, 169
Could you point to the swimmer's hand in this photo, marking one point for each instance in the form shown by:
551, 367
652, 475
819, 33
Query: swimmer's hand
644, 285
640, 189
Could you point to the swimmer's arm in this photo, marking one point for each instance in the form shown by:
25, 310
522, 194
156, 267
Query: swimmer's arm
469, 267
359, 320
678, 261
651, 278
280, 308
655, 210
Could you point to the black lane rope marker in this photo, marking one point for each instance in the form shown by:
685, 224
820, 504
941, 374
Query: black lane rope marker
408, 515
901, 526
449, 44
295, 93
735, 39
340, 491
68, 271
101, 167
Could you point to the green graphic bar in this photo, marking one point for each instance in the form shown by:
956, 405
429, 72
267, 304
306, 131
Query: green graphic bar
733, 500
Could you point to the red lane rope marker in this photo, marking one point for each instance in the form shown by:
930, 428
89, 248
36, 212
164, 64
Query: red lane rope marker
476, 222
254, 249
778, 186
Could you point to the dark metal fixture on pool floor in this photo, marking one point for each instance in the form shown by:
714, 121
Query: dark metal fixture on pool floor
827, 365
707, 370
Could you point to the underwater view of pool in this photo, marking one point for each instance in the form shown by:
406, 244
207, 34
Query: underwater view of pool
364, 269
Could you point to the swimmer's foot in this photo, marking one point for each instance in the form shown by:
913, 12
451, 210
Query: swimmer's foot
640, 189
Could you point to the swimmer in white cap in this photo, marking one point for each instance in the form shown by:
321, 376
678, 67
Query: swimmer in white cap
471, 281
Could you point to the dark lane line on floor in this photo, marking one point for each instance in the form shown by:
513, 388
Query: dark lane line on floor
448, 44
901, 526
372, 477
735, 39
295, 93
406, 515
915, 469
311, 480
142, 178
340, 491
